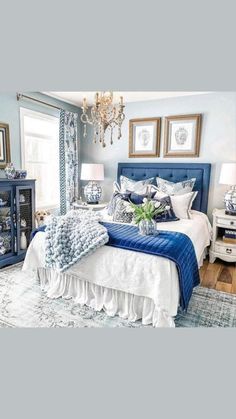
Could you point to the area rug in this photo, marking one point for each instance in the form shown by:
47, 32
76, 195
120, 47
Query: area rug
23, 304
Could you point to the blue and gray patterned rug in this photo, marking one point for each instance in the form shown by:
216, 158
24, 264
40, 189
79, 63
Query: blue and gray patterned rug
22, 304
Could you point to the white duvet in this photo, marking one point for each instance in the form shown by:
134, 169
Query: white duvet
147, 283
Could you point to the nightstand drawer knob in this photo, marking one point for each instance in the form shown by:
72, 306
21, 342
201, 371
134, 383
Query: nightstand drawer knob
228, 251
231, 223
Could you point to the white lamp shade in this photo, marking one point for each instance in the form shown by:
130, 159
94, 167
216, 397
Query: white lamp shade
91, 171
228, 174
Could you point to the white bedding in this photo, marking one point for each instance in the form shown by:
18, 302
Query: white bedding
131, 284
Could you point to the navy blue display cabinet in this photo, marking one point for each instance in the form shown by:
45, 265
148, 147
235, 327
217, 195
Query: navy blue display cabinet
17, 208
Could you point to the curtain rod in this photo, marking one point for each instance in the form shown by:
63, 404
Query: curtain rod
20, 96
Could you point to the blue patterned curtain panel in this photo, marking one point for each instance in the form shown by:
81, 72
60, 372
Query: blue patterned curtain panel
69, 160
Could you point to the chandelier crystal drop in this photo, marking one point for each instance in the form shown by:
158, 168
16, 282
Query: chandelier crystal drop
104, 114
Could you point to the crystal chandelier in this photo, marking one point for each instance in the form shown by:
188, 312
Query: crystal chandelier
104, 114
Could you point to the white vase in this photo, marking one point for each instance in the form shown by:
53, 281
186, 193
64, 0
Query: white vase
10, 171
23, 241
147, 228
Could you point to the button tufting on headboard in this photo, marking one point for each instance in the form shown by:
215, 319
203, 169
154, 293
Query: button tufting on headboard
177, 172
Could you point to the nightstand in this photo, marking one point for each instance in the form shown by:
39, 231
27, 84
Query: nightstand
220, 249
95, 207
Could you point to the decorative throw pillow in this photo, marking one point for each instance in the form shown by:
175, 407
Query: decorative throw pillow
171, 188
159, 195
169, 215
139, 186
123, 212
116, 187
137, 199
116, 196
182, 204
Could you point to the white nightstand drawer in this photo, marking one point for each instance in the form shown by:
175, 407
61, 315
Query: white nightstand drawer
225, 222
225, 250
220, 249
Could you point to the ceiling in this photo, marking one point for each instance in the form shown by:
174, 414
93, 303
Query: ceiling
76, 98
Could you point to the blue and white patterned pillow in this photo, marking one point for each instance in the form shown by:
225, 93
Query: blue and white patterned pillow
171, 188
131, 185
116, 197
123, 212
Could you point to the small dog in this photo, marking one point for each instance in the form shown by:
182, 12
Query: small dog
41, 216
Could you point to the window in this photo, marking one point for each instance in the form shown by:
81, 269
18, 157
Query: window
40, 155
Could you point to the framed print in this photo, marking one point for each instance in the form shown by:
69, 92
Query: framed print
5, 156
182, 136
144, 137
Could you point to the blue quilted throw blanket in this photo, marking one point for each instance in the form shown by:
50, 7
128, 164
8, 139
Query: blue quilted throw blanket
71, 237
169, 244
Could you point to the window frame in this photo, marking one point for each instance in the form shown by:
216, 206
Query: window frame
44, 116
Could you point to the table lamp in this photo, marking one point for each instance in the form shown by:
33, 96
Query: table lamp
92, 173
228, 177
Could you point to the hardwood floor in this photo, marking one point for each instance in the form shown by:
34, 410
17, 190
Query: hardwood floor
219, 275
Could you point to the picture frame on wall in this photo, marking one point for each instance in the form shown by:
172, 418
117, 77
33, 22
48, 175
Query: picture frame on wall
5, 155
144, 137
182, 135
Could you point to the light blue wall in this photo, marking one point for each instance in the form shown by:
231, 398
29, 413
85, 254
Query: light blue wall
218, 139
10, 114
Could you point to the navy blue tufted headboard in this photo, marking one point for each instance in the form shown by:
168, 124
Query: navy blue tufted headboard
174, 172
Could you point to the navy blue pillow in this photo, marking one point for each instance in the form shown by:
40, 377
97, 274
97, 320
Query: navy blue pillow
168, 215
138, 199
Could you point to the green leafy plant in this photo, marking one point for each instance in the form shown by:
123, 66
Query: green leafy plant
148, 210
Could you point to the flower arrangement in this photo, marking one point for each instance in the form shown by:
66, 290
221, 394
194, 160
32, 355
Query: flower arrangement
148, 210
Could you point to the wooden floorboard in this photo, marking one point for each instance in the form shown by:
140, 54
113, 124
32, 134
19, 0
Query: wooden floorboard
219, 275
222, 286
234, 282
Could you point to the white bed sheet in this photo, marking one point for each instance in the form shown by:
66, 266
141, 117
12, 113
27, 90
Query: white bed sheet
152, 278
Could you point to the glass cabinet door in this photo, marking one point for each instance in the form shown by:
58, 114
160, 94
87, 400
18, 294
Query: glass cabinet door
25, 216
7, 233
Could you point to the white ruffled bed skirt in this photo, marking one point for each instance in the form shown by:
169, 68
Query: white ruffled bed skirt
113, 302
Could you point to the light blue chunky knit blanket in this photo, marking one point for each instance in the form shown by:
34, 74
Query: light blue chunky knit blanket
71, 237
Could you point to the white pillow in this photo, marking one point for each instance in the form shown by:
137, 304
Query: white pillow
160, 195
116, 187
172, 188
131, 185
182, 204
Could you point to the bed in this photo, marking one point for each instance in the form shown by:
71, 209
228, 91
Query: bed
123, 282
